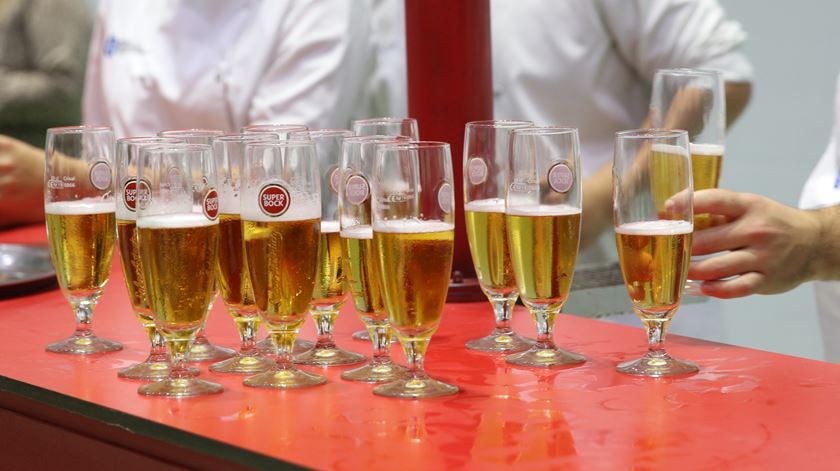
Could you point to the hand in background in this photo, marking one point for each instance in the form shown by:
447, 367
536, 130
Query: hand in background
21, 182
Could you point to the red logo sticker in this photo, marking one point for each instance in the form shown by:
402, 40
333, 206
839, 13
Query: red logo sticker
561, 177
211, 204
334, 176
131, 195
444, 197
100, 175
274, 200
477, 170
357, 189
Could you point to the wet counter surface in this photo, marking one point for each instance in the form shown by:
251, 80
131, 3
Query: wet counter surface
746, 409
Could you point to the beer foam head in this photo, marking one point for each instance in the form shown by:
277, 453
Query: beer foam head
706, 149
328, 227
299, 210
81, 207
490, 205
669, 149
229, 200
659, 227
543, 210
175, 221
412, 226
358, 232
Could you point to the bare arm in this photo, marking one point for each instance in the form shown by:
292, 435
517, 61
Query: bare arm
737, 97
21, 182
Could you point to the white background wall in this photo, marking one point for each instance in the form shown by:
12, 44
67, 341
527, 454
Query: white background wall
795, 49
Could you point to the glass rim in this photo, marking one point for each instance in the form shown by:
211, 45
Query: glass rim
80, 129
202, 132
420, 145
280, 144
545, 130
150, 140
384, 120
651, 133
377, 139
689, 72
499, 123
323, 132
176, 147
239, 137
274, 127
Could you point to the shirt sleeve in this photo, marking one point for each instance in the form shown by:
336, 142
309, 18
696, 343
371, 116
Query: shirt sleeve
318, 70
823, 185
94, 106
660, 34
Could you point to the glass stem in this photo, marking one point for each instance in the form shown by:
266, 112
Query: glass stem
201, 337
158, 353
415, 353
283, 342
324, 322
178, 350
380, 336
544, 318
656, 330
248, 327
502, 309
84, 317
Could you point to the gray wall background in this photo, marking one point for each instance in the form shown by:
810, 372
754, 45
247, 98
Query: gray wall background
795, 49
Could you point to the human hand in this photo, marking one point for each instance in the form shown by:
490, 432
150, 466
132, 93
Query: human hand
21, 182
772, 248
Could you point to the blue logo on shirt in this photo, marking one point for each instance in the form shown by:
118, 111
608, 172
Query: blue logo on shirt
113, 45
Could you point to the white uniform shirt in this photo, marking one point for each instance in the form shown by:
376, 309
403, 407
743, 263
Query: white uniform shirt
168, 64
823, 189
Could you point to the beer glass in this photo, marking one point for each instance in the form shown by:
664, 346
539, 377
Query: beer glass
413, 238
330, 286
542, 213
81, 225
178, 235
361, 269
202, 349
386, 127
485, 172
129, 191
652, 197
232, 270
282, 131
281, 218
694, 100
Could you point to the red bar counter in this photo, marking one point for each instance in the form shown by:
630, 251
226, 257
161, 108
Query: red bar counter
746, 409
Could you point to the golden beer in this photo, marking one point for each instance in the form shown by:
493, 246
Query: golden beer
81, 237
654, 258
706, 162
234, 282
132, 269
329, 284
487, 235
282, 261
415, 262
362, 273
544, 246
178, 253
669, 167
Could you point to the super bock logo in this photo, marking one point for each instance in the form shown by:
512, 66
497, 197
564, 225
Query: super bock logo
274, 200
211, 204
132, 194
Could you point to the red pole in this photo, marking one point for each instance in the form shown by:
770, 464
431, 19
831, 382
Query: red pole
449, 84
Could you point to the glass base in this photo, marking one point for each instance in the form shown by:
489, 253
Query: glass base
379, 372
180, 387
657, 366
84, 345
328, 356
546, 358
150, 370
364, 336
289, 378
206, 351
243, 364
265, 347
415, 388
500, 341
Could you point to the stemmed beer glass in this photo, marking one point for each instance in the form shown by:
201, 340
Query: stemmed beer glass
542, 212
177, 234
413, 237
652, 197
81, 225
386, 127
485, 174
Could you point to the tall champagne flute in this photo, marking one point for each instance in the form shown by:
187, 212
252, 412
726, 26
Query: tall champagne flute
281, 215
129, 191
413, 236
354, 202
652, 196
282, 131
178, 234
694, 100
485, 174
232, 269
202, 349
387, 127
81, 225
542, 212
330, 285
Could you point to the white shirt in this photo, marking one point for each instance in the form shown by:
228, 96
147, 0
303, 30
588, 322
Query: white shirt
168, 64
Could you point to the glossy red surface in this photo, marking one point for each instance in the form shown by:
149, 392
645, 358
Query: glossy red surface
747, 409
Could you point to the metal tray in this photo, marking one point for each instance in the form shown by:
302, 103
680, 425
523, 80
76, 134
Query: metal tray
23, 267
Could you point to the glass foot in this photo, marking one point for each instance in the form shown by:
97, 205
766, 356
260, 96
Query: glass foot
328, 356
180, 387
500, 341
657, 366
379, 372
243, 364
289, 378
206, 351
546, 358
264, 346
150, 370
415, 388
84, 345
